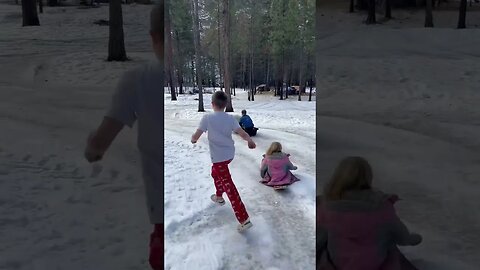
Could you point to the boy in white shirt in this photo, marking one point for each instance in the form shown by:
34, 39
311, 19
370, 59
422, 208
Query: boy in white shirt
139, 97
219, 126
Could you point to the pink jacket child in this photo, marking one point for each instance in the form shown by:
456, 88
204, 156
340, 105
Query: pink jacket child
276, 166
357, 227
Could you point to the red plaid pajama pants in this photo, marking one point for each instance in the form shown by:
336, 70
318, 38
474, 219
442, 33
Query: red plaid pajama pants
156, 248
224, 183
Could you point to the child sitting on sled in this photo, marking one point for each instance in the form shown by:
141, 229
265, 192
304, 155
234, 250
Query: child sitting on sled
247, 124
276, 167
357, 227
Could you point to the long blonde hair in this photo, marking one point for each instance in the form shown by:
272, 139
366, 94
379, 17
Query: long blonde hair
353, 173
275, 147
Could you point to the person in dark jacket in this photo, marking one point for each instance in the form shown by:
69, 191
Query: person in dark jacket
247, 124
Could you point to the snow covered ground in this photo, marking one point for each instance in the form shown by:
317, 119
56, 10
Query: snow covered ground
201, 235
407, 98
56, 210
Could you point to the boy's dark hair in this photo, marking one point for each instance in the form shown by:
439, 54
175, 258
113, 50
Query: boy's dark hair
157, 18
244, 112
220, 99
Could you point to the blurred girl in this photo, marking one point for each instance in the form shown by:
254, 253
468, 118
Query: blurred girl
357, 227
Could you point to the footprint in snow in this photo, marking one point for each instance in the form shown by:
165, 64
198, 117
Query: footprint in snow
96, 170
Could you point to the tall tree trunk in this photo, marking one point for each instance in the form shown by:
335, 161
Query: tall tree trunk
198, 55
213, 75
29, 13
371, 12
278, 87
267, 77
180, 81
219, 46
116, 43
192, 69
388, 9
284, 86
287, 79
231, 58
252, 86
226, 53
40, 6
301, 75
283, 68
252, 83
179, 65
352, 6
428, 13
281, 79
310, 94
244, 70
169, 47
283, 91
462, 14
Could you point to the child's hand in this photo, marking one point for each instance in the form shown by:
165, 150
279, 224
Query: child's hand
416, 239
251, 144
196, 136
393, 198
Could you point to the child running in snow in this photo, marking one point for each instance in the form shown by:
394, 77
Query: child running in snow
276, 166
219, 126
357, 227
138, 98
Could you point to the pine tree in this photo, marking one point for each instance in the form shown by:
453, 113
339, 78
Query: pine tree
169, 51
226, 52
198, 55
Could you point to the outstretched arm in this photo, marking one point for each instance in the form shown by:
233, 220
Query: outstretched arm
122, 112
401, 235
263, 167
290, 164
99, 140
196, 135
244, 135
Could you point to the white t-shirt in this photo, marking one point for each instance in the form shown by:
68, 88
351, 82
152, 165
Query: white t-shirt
219, 127
139, 97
